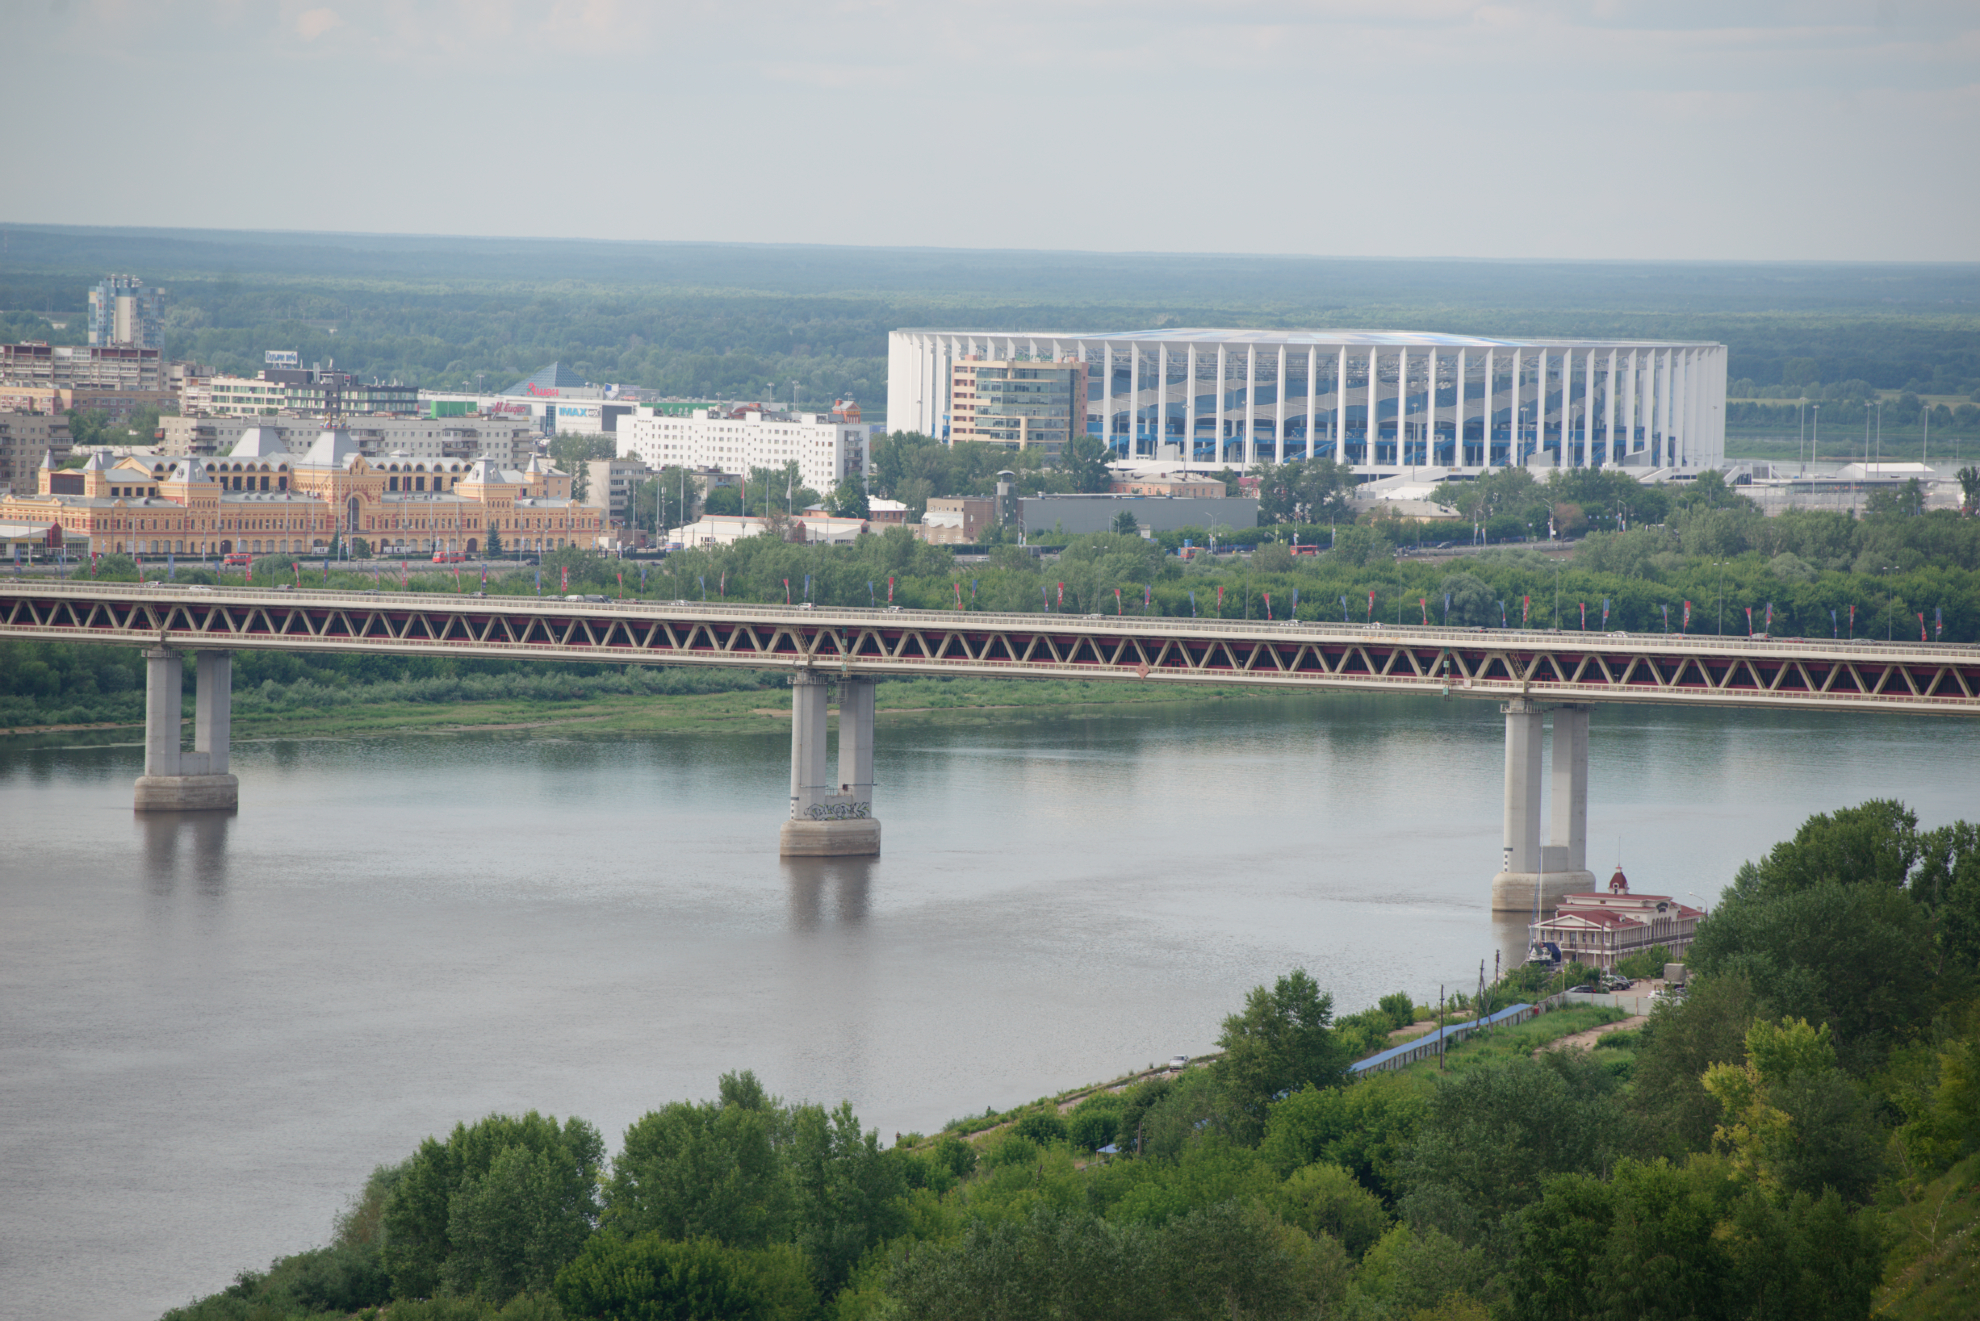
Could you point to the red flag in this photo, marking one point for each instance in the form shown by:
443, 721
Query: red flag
890, 591
1371, 607
622, 580
1062, 595
1687, 618
1852, 621
1584, 615
1749, 621
566, 577
405, 576
1921, 628
1268, 604
959, 604
298, 568
1525, 608
1220, 600
1423, 603
787, 591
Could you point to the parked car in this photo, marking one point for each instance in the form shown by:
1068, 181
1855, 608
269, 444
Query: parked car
1179, 1061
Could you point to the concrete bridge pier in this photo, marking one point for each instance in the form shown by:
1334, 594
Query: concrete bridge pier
1531, 872
830, 818
175, 780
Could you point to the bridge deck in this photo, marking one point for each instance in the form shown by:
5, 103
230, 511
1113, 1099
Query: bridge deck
1564, 666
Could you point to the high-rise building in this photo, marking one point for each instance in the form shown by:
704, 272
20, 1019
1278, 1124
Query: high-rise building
124, 313
826, 448
1017, 402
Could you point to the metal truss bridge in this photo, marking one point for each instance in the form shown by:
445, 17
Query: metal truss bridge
1568, 666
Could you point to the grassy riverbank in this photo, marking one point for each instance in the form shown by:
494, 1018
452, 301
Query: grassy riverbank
310, 710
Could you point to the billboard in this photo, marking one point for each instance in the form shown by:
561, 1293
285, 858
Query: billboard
282, 358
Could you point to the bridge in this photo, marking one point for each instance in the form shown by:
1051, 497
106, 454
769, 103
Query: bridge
1529, 671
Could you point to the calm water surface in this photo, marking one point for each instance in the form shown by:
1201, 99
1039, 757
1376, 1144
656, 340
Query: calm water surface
212, 1028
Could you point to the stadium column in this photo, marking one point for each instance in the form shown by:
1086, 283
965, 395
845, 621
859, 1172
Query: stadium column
1588, 409
1159, 426
1134, 401
1312, 394
1107, 398
1402, 401
1430, 409
1660, 424
1513, 456
1189, 411
1629, 402
1490, 400
1279, 416
1609, 411
1457, 413
1250, 405
1370, 428
1340, 408
1222, 371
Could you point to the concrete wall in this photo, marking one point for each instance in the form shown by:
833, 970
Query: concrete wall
1079, 514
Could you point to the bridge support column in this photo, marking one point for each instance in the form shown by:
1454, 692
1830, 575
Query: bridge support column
830, 818
1532, 874
175, 780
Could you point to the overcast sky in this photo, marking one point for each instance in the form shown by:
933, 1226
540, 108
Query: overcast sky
1821, 129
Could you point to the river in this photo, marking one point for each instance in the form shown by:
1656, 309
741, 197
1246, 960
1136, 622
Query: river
212, 1028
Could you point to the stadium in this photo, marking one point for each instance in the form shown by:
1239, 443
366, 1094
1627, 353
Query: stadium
1382, 401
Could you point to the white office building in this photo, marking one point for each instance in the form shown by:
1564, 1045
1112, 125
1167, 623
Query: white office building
1382, 401
826, 448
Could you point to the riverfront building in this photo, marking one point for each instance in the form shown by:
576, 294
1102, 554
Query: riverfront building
827, 447
263, 501
1600, 930
1382, 401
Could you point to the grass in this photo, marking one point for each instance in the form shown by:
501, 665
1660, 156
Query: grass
761, 710
1934, 1267
1504, 1043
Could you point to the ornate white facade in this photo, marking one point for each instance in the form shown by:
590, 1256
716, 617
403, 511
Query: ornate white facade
1212, 398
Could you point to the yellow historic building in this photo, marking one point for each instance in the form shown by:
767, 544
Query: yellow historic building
261, 500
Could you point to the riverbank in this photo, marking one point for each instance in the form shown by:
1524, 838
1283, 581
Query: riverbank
259, 715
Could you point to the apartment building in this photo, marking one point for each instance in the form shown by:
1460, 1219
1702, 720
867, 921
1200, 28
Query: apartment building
124, 312
825, 446
26, 439
510, 441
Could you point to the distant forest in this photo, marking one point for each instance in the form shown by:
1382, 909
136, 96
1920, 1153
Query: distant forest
746, 321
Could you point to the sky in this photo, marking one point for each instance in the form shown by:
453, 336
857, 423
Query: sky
1585, 129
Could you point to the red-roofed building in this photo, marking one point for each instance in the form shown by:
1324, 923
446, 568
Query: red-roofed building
1598, 930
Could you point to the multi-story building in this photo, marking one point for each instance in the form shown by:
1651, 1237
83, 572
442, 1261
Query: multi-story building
78, 366
957, 520
1017, 403
122, 311
270, 502
609, 484
1382, 401
322, 393
826, 448
26, 439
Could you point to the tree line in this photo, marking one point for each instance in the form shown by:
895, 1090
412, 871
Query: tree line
1784, 1140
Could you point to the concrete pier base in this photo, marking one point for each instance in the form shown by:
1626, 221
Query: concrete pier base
175, 780
830, 819
828, 839
187, 793
1512, 892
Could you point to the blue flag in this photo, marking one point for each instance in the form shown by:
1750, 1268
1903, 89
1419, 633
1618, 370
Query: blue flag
870, 595
1344, 610
1046, 597
703, 580
972, 589
1295, 603
1502, 614
539, 580
807, 587
1192, 605
171, 567
1447, 607
1835, 625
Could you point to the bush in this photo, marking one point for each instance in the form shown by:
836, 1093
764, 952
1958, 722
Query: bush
1042, 1126
1648, 963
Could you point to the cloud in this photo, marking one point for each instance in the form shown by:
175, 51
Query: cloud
313, 23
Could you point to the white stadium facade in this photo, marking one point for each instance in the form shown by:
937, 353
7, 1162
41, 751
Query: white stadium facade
1217, 398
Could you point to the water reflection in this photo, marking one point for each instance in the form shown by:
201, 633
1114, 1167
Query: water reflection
204, 858
810, 879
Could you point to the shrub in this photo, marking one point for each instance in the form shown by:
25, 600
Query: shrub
1042, 1126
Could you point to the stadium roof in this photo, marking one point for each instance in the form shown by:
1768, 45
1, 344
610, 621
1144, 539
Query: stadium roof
1381, 339
554, 377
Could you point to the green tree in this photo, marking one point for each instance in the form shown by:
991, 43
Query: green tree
674, 491
1084, 460
703, 1171
849, 500
1282, 1041
539, 1202
649, 1279
848, 1191
1125, 525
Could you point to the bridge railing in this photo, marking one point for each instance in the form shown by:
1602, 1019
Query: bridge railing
1412, 634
